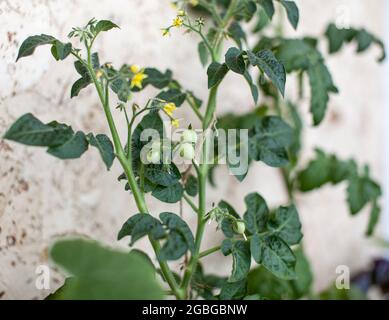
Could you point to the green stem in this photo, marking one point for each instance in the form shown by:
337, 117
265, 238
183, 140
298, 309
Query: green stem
191, 203
209, 251
126, 164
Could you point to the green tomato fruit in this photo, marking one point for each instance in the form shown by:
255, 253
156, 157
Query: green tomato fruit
187, 151
153, 156
239, 227
189, 136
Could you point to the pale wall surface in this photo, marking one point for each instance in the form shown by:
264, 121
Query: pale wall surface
42, 197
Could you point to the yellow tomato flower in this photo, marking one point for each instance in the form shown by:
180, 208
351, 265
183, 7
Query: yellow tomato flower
137, 79
169, 108
134, 68
99, 74
175, 123
177, 22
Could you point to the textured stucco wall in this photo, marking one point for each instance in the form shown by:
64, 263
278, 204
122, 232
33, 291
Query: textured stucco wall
42, 197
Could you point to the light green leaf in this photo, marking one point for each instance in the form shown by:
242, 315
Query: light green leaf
31, 43
105, 147
268, 6
266, 61
102, 273
233, 290
375, 214
273, 254
156, 78
203, 53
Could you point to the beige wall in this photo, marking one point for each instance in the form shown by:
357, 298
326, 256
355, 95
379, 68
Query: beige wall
42, 197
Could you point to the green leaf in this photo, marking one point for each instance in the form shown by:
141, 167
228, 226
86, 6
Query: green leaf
321, 85
140, 225
174, 248
253, 87
80, 84
156, 78
203, 53
285, 223
268, 6
266, 62
162, 174
360, 191
264, 283
121, 86
375, 213
216, 72
321, 170
191, 186
269, 140
102, 273
105, 147
256, 215
170, 194
72, 149
31, 43
235, 61
173, 95
104, 25
227, 225
31, 131
233, 290
241, 258
364, 39
273, 254
61, 51
292, 12
174, 223
237, 34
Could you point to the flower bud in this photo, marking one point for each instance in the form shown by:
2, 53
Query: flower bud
187, 151
239, 227
189, 136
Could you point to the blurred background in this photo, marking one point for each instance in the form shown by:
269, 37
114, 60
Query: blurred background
42, 197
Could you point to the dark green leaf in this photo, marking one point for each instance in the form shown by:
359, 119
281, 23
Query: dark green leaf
162, 174
273, 254
31, 131
275, 70
173, 95
233, 290
141, 225
268, 6
292, 12
28, 46
256, 215
104, 25
72, 149
216, 72
174, 247
285, 223
60, 50
174, 222
105, 147
191, 186
241, 259
269, 140
235, 61
156, 78
80, 84
170, 194
375, 213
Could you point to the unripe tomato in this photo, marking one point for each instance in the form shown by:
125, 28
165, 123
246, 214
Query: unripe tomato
239, 227
187, 151
153, 156
189, 136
